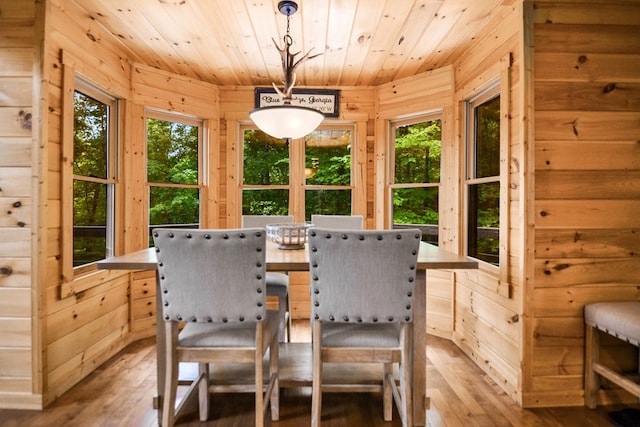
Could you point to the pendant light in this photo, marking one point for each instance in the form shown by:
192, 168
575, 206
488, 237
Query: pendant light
287, 121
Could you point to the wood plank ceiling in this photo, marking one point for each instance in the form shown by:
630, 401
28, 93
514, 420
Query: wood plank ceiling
229, 42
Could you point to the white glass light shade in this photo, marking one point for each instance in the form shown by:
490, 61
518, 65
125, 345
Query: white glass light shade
286, 121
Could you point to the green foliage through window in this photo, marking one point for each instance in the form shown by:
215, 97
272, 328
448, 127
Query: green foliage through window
327, 173
92, 187
173, 173
328, 158
483, 227
416, 177
266, 159
172, 152
265, 202
418, 151
327, 202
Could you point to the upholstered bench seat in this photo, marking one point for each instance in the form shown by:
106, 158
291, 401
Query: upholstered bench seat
621, 320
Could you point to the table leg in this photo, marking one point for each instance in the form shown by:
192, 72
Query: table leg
419, 369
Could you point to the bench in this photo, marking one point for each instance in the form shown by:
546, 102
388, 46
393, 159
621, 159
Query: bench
621, 320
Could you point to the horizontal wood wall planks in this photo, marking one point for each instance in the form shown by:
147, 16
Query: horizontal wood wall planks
587, 186
18, 349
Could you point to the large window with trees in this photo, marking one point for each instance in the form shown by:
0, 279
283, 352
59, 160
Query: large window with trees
274, 171
483, 177
174, 176
94, 174
415, 175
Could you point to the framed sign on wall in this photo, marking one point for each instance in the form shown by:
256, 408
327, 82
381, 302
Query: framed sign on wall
326, 101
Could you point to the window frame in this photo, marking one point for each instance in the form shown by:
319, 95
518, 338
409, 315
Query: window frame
112, 174
313, 187
244, 127
391, 149
492, 91
151, 113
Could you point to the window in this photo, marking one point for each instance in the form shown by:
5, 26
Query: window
415, 177
94, 174
174, 173
323, 164
327, 172
265, 176
483, 178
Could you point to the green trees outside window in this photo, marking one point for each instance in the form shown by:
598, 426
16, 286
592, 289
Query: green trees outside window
328, 172
323, 159
265, 175
416, 176
483, 181
93, 176
173, 172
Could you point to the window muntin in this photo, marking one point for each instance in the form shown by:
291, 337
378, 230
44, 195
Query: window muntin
415, 175
174, 170
483, 178
323, 159
94, 174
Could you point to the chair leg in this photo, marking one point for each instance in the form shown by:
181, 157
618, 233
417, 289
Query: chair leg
316, 378
405, 377
282, 309
274, 372
171, 375
288, 317
387, 392
203, 391
591, 378
259, 376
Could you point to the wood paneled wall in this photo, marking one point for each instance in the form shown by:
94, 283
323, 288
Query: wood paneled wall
488, 301
585, 246
19, 117
90, 315
86, 315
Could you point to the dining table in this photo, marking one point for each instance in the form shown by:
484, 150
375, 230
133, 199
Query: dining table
429, 257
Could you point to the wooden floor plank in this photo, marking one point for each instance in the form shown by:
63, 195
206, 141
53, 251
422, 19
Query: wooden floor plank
120, 393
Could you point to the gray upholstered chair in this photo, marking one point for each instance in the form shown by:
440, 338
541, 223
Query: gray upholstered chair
213, 281
362, 285
277, 283
346, 222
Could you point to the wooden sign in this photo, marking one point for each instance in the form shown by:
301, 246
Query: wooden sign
325, 101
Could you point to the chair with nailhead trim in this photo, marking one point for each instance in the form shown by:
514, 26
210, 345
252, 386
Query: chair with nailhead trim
362, 285
277, 282
213, 283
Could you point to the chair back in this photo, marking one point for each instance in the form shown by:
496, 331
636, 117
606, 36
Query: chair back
363, 276
211, 275
343, 222
262, 220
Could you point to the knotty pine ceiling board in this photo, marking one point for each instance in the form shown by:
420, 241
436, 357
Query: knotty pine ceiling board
231, 42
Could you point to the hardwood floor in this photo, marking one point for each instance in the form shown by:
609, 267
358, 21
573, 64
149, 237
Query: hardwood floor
120, 393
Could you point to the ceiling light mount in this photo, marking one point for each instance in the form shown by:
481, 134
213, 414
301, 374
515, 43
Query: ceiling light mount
288, 7
286, 120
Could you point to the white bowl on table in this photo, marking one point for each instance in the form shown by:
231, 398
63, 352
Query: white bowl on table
291, 235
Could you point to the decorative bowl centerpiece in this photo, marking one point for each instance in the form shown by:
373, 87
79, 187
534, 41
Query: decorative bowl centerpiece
292, 235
